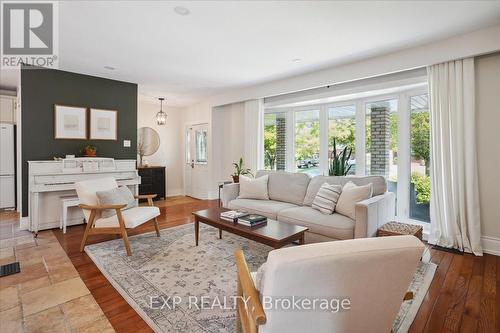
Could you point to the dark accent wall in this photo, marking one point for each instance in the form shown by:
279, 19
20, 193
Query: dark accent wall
42, 88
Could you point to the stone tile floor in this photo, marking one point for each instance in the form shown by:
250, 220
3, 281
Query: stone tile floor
47, 295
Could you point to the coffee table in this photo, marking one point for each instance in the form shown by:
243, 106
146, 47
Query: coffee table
274, 233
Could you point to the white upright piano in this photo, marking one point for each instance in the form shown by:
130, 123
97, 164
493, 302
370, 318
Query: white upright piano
49, 180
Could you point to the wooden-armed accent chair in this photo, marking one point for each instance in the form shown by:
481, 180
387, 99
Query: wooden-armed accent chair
248, 317
116, 224
372, 273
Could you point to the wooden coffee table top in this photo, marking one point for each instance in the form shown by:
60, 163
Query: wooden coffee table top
273, 233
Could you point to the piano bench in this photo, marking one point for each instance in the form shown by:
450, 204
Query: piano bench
67, 202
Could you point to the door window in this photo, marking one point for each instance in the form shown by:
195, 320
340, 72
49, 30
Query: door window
201, 146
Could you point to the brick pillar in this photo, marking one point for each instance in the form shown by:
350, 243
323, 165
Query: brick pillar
380, 135
280, 142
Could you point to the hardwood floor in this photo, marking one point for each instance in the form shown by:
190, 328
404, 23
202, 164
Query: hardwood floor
174, 211
463, 297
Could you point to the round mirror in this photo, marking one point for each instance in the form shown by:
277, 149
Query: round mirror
148, 141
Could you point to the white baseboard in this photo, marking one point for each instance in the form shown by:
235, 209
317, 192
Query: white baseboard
175, 192
212, 195
491, 245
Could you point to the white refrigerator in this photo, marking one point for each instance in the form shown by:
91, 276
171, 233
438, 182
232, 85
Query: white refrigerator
7, 166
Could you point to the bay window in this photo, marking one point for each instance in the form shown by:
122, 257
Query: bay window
386, 134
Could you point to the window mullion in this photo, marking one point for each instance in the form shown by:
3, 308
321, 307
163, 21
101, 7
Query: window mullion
323, 140
360, 139
290, 140
404, 157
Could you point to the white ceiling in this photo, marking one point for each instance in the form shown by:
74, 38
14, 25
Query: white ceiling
223, 44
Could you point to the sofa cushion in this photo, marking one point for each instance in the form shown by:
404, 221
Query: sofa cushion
326, 198
379, 184
269, 208
286, 186
334, 226
253, 188
351, 194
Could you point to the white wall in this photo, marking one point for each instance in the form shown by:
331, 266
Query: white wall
488, 142
171, 149
228, 128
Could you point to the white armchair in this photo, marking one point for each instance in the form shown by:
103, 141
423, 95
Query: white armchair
372, 273
116, 224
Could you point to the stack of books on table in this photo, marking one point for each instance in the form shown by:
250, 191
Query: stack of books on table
232, 215
252, 220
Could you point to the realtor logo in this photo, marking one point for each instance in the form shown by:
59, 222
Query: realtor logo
29, 34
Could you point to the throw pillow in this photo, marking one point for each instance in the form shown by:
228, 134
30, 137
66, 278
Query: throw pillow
117, 196
351, 194
254, 188
326, 198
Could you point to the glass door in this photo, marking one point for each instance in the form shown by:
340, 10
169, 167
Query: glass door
420, 184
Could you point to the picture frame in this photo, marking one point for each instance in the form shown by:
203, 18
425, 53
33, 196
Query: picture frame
70, 122
103, 124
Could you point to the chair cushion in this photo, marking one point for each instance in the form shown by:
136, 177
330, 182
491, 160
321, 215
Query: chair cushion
269, 208
133, 217
286, 186
116, 196
379, 184
334, 226
254, 188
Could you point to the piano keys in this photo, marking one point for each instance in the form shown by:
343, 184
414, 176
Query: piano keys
49, 180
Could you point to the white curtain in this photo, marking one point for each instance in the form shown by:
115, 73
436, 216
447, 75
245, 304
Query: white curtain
455, 219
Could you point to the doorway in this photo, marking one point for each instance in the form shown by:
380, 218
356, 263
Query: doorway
196, 161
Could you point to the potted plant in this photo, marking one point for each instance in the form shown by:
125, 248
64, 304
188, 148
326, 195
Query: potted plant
339, 164
89, 151
239, 169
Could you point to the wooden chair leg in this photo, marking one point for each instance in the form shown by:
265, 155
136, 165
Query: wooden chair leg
125, 242
157, 227
90, 224
124, 232
150, 203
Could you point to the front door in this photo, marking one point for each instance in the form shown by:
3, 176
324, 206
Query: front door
196, 163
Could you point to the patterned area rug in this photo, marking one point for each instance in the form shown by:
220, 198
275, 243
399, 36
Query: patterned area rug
166, 277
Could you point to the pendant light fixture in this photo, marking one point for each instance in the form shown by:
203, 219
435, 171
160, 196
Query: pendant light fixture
161, 117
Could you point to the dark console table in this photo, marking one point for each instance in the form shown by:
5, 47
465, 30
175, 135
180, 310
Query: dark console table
152, 181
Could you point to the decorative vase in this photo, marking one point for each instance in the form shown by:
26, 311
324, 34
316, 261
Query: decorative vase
236, 179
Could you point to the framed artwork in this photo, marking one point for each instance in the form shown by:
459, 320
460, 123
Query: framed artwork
70, 122
103, 124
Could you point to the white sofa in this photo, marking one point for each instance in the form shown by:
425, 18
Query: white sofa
372, 273
291, 196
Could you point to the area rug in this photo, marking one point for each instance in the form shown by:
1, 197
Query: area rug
165, 278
